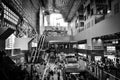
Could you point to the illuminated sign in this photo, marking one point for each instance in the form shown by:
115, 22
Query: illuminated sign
111, 48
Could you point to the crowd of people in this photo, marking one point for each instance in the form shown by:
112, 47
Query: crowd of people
54, 69
107, 66
53, 74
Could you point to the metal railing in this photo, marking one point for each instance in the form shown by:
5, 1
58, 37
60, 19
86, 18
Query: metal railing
103, 74
36, 53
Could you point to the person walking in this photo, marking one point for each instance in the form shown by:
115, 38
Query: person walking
58, 73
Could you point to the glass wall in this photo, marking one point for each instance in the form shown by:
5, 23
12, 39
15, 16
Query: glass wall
57, 20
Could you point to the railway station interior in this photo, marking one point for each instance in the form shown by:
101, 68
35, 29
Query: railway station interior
59, 39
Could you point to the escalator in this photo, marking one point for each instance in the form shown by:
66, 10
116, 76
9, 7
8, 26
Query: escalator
37, 53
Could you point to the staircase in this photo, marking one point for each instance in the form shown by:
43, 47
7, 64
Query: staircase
37, 52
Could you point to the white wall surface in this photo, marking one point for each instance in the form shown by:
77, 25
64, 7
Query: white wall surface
72, 26
21, 43
58, 38
108, 26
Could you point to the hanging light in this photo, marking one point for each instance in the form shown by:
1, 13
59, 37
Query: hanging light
113, 42
108, 11
116, 41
